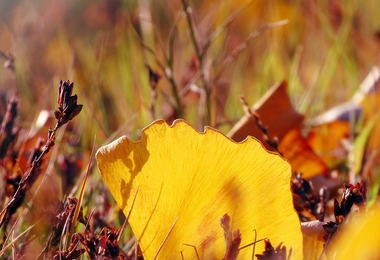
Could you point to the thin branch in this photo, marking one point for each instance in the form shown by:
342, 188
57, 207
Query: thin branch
188, 10
255, 116
173, 32
226, 23
201, 59
67, 110
166, 69
241, 47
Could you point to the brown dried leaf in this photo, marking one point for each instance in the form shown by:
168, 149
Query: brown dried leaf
276, 113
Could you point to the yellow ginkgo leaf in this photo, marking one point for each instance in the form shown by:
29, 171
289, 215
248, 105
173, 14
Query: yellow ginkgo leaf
185, 181
359, 239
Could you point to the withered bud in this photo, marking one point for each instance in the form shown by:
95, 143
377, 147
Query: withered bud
154, 77
58, 114
273, 253
9, 60
67, 103
64, 92
234, 248
225, 222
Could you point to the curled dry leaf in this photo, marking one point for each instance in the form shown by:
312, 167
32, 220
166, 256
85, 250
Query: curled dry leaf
186, 180
30, 139
313, 242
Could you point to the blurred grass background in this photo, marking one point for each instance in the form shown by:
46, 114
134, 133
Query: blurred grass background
323, 48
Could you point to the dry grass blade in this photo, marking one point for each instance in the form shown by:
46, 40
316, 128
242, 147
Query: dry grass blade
195, 250
241, 47
166, 67
17, 238
127, 217
226, 23
167, 235
81, 195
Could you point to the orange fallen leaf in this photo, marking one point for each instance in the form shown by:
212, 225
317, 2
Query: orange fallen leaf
300, 155
187, 181
331, 130
327, 141
36, 136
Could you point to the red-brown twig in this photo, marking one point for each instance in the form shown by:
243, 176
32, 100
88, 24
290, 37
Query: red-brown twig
67, 110
255, 116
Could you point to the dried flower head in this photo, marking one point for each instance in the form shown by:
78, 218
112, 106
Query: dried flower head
7, 132
271, 253
232, 239
67, 103
353, 194
309, 204
154, 77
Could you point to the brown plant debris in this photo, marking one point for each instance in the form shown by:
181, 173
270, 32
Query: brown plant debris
233, 239
271, 253
67, 103
67, 110
309, 204
352, 195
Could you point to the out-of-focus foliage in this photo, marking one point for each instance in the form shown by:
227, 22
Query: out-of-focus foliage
325, 50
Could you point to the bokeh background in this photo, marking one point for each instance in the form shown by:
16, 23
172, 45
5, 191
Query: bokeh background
324, 50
